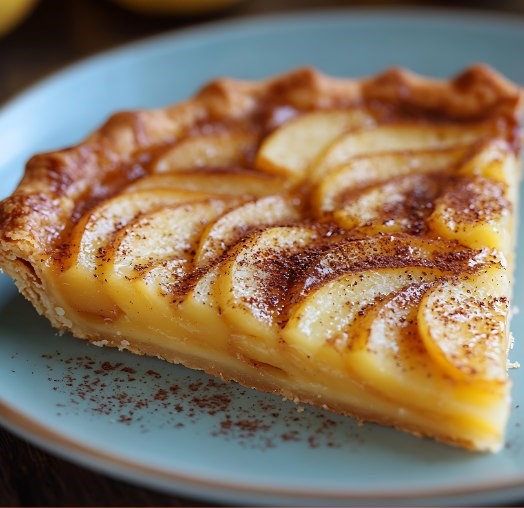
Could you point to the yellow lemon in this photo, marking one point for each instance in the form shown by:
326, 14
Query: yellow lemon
12, 12
175, 6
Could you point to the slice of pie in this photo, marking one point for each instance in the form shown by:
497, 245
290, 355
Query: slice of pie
344, 243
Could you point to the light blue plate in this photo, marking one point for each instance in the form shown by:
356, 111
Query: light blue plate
164, 426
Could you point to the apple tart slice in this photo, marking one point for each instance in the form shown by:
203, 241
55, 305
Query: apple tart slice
345, 243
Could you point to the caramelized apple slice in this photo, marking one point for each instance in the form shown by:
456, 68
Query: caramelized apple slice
252, 288
291, 148
225, 149
226, 231
229, 181
462, 322
474, 211
90, 238
394, 137
369, 170
401, 204
151, 239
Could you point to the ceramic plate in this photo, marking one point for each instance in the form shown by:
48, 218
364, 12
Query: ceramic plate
164, 426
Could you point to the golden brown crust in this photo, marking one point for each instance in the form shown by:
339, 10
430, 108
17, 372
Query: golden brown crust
55, 182
478, 92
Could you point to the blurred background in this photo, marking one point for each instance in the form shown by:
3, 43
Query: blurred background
38, 37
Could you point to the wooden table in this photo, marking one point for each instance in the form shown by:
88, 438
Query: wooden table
57, 33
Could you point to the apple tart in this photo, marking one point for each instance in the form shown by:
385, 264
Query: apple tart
346, 243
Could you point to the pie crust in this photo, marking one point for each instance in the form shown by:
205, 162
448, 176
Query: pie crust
347, 243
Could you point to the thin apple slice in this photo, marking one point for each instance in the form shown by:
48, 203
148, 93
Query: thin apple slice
492, 159
386, 351
369, 170
385, 251
170, 303
474, 211
394, 137
496, 160
230, 181
80, 278
91, 235
291, 148
252, 288
226, 231
388, 355
351, 274
324, 316
224, 149
401, 204
151, 240
199, 311
148, 301
463, 323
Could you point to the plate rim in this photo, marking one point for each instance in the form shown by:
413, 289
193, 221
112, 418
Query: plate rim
28, 427
66, 447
